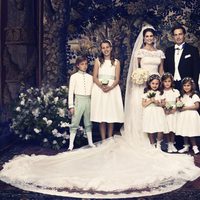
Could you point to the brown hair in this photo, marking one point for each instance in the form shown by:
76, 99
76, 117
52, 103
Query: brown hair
149, 80
80, 59
101, 56
166, 76
191, 82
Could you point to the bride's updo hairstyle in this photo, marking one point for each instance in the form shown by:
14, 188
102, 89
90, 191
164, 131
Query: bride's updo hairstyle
149, 80
101, 56
148, 30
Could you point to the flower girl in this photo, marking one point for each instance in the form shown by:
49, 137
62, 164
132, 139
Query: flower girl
171, 97
188, 123
154, 120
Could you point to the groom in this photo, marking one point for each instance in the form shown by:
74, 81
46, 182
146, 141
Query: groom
182, 59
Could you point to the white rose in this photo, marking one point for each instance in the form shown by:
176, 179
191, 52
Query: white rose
18, 109
55, 131
49, 122
36, 130
56, 100
61, 112
54, 142
45, 140
64, 124
36, 112
45, 119
65, 101
39, 99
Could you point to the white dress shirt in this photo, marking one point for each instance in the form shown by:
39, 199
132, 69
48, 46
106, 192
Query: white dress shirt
80, 84
177, 56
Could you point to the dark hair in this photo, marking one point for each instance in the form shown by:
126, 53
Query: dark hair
178, 27
80, 59
193, 88
149, 80
149, 30
101, 56
166, 76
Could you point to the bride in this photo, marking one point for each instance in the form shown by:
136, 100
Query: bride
123, 166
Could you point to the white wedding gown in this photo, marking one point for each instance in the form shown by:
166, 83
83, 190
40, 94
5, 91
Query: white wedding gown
123, 166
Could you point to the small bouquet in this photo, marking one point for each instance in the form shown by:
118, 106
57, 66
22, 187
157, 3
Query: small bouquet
168, 107
140, 76
105, 82
151, 94
179, 105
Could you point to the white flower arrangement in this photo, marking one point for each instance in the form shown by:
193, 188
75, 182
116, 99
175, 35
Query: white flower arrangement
41, 115
151, 94
179, 105
140, 76
169, 106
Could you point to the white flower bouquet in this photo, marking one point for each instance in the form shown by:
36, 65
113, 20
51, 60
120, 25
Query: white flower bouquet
168, 106
140, 76
151, 94
41, 115
179, 105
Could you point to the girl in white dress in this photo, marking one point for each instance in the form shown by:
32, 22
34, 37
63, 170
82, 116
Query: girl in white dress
171, 97
106, 100
154, 120
188, 122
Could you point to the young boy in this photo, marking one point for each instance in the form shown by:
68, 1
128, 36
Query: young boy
80, 86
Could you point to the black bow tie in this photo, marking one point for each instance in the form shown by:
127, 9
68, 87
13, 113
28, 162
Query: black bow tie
180, 48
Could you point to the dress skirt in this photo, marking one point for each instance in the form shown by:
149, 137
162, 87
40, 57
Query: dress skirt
154, 119
106, 106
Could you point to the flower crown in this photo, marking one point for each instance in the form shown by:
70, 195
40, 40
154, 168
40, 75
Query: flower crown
152, 77
187, 79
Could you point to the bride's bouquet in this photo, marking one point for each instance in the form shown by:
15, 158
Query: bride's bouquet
140, 76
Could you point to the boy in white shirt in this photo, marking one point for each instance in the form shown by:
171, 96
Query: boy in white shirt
80, 86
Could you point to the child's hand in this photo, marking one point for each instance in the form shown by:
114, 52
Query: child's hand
152, 99
157, 103
107, 88
172, 111
163, 102
71, 110
183, 108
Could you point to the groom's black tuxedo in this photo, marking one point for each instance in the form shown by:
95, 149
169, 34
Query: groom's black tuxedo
189, 64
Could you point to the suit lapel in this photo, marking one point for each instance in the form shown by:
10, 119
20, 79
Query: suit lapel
173, 59
183, 55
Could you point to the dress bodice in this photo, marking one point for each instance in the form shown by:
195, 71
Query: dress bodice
150, 60
190, 101
107, 69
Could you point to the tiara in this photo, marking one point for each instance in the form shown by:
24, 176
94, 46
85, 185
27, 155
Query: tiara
153, 76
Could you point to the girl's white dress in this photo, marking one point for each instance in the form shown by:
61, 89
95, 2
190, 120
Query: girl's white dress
154, 119
107, 106
188, 121
170, 98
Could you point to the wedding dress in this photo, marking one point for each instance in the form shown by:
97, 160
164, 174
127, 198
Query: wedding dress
123, 166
